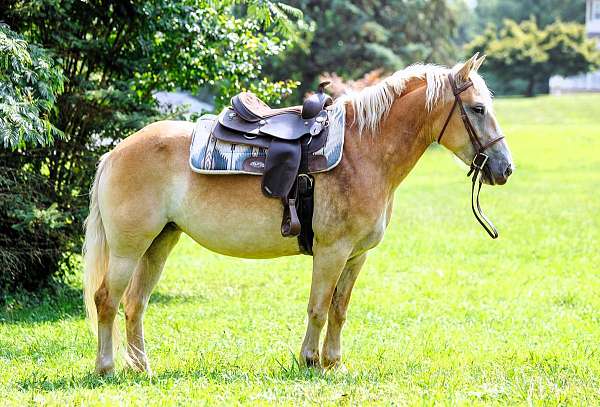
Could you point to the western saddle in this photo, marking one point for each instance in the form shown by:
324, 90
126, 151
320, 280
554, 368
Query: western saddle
290, 135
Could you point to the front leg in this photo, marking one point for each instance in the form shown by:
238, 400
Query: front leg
328, 263
332, 348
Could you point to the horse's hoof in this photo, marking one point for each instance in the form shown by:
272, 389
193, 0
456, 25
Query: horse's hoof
140, 368
137, 363
334, 364
311, 361
337, 367
105, 370
330, 358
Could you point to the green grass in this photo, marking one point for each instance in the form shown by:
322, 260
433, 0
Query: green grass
440, 314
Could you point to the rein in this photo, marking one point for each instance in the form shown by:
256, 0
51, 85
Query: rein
480, 159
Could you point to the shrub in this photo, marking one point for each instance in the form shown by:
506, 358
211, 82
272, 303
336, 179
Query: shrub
35, 237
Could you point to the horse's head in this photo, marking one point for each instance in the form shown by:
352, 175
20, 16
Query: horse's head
473, 128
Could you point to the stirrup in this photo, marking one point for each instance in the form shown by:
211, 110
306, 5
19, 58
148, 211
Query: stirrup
290, 225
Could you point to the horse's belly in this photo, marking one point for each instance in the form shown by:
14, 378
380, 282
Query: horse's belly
243, 243
229, 215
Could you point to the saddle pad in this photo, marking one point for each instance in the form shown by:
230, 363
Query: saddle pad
211, 156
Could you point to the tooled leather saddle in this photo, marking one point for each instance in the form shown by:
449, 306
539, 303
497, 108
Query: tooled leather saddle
290, 136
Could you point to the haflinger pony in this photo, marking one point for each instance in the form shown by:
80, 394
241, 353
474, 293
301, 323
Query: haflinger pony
144, 196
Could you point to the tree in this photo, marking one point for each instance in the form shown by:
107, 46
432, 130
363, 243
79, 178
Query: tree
353, 37
29, 83
32, 230
545, 12
526, 52
113, 55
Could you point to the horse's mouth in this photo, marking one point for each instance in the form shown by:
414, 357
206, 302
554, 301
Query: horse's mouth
487, 177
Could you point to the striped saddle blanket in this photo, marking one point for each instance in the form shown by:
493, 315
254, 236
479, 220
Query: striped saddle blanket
209, 155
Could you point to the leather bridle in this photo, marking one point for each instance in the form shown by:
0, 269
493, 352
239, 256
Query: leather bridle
480, 159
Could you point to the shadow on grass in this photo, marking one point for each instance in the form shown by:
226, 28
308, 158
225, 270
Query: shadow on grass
62, 302
59, 302
160, 298
221, 374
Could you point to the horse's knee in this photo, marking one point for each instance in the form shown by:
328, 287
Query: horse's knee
317, 316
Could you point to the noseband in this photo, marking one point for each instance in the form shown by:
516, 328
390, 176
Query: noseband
480, 159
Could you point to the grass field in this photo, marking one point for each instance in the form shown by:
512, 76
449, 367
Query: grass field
440, 314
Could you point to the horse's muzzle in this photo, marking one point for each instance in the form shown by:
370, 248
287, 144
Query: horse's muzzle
497, 173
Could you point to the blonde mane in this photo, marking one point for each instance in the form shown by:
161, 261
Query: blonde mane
372, 104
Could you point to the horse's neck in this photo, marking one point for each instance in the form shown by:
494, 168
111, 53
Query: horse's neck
402, 139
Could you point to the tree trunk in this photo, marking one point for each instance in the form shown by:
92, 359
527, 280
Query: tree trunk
530, 87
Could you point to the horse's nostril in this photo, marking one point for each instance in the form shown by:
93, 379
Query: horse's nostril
508, 171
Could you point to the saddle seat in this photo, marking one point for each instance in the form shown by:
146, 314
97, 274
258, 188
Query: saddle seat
290, 135
252, 109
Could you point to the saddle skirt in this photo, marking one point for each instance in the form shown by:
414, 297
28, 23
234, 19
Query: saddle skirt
214, 152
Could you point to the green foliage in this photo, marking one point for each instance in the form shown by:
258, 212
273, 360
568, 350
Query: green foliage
33, 233
35, 245
288, 21
523, 51
440, 314
115, 57
353, 37
29, 83
545, 12
112, 56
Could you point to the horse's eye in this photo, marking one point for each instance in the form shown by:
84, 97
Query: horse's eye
478, 109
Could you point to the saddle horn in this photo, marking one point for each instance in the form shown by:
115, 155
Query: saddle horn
313, 105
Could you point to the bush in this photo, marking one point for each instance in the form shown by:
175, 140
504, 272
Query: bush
34, 233
35, 237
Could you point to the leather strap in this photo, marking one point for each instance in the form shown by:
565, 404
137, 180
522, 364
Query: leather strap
479, 160
447, 120
306, 191
483, 220
290, 224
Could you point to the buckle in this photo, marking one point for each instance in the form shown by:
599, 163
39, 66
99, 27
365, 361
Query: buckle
479, 161
305, 183
457, 91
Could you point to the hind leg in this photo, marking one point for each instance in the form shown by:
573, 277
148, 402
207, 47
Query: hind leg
107, 299
138, 293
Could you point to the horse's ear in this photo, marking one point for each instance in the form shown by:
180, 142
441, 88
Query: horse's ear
478, 63
465, 70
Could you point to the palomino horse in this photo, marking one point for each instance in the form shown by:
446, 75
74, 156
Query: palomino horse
144, 196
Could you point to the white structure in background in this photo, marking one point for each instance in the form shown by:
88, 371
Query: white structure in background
589, 82
194, 105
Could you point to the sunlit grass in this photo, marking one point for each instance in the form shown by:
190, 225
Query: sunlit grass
440, 313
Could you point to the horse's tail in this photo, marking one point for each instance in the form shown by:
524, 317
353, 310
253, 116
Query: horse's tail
95, 250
